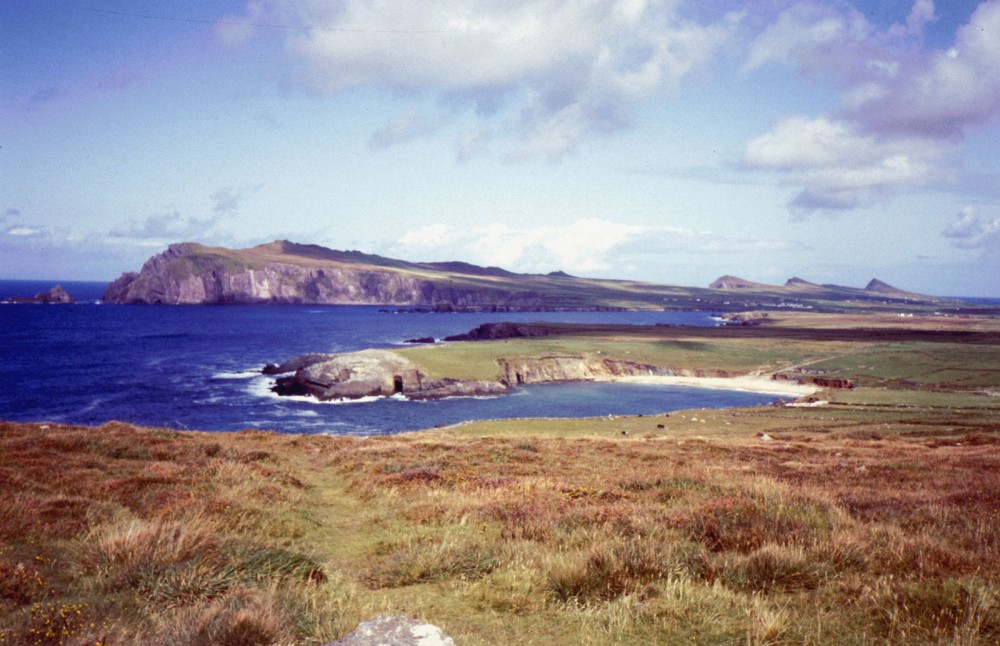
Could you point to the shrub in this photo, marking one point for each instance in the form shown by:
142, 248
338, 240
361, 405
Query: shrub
130, 553
621, 567
775, 568
241, 618
742, 525
423, 562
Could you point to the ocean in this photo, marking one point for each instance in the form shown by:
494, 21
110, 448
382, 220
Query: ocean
198, 367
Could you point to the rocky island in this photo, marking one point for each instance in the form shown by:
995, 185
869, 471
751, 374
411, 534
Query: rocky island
56, 295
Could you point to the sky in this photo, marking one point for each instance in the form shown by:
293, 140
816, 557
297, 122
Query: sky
669, 141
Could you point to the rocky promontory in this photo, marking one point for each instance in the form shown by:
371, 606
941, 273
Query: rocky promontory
383, 373
371, 373
284, 272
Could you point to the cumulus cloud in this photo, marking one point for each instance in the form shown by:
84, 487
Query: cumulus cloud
903, 110
840, 166
807, 34
943, 93
585, 246
557, 70
970, 231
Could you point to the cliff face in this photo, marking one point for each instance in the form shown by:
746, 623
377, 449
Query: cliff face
534, 370
189, 274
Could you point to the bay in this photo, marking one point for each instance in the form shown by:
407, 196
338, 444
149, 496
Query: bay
198, 367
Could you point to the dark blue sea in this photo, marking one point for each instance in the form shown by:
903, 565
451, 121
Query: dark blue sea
198, 367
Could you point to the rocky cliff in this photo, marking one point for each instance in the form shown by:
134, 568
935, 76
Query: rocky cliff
283, 272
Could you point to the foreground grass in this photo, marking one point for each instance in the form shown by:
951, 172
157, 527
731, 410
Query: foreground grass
864, 521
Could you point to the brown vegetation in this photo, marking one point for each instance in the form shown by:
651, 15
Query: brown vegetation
846, 525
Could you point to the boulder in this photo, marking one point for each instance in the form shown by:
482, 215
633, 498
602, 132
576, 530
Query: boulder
394, 631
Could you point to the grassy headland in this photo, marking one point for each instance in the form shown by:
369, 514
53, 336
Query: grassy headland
874, 518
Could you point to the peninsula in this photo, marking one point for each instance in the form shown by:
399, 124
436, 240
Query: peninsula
283, 272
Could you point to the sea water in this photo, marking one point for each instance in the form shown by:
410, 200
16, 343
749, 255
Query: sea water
198, 367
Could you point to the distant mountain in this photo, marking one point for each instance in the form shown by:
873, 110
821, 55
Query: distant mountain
795, 286
286, 272
734, 282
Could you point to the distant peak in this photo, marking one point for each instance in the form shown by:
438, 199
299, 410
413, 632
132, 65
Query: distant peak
558, 274
795, 280
733, 282
876, 285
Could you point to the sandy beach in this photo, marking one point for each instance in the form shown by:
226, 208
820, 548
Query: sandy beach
746, 383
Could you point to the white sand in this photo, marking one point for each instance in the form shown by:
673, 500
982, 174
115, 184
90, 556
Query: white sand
746, 383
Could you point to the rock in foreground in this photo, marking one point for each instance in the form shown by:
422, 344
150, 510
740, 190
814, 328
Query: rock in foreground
395, 631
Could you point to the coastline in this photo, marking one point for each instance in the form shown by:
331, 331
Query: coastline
745, 383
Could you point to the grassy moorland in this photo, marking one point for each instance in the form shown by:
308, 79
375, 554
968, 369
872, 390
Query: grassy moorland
874, 518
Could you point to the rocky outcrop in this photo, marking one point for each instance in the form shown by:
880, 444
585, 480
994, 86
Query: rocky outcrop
371, 373
56, 295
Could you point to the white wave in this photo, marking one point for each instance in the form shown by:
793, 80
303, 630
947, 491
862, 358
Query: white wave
241, 374
262, 388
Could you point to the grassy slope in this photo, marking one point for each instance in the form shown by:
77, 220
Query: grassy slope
874, 519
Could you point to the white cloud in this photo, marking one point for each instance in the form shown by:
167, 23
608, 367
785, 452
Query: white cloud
581, 246
903, 110
24, 231
840, 167
944, 93
921, 15
890, 84
588, 246
565, 68
969, 231
804, 33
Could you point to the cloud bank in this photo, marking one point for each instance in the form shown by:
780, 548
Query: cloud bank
555, 71
587, 246
903, 111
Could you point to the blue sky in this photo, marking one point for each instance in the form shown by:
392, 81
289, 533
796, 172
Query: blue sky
667, 141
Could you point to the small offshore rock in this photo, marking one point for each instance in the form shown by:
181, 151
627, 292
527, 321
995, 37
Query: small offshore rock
56, 295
